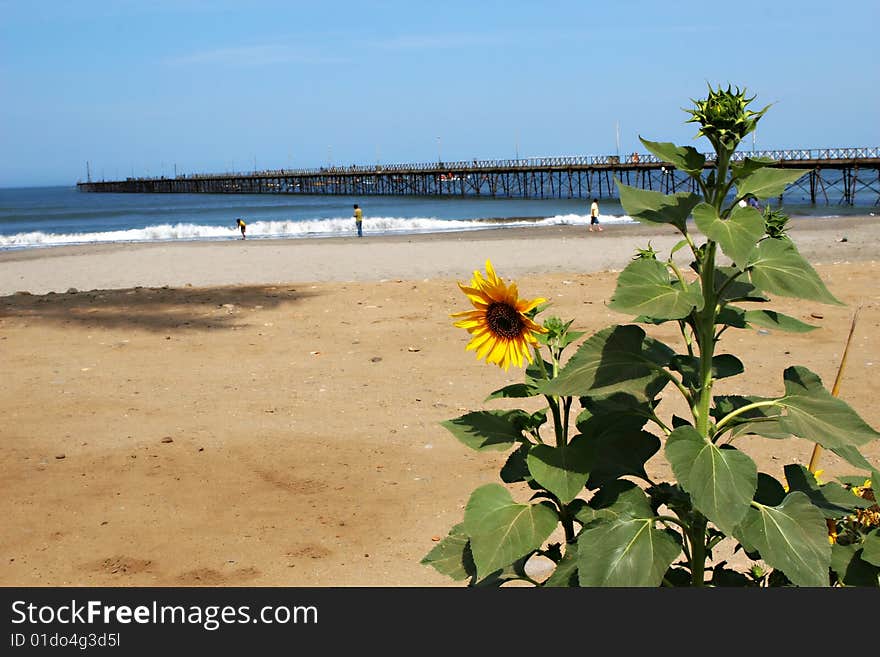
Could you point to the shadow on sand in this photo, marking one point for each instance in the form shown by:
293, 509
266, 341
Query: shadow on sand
152, 309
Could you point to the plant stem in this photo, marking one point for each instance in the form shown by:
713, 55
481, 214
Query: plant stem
697, 535
705, 325
669, 375
675, 268
742, 409
688, 341
567, 524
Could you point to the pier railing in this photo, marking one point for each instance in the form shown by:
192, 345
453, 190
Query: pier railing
843, 172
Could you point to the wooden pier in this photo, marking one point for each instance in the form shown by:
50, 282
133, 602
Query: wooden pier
835, 175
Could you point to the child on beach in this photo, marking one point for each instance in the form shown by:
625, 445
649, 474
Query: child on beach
240, 223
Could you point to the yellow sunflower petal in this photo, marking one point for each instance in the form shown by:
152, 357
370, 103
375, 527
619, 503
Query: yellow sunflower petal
468, 324
469, 313
478, 338
478, 344
475, 294
477, 316
525, 306
490, 272
485, 349
512, 295
514, 355
499, 349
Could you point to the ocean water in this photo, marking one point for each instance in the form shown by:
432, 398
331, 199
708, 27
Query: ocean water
37, 217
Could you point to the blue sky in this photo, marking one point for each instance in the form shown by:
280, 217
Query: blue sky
139, 88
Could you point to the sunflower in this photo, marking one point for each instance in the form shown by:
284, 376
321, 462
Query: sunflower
500, 328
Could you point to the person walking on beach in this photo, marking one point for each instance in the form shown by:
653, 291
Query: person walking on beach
240, 223
594, 215
358, 219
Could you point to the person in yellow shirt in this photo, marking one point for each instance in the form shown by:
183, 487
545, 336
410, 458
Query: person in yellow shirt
358, 219
240, 223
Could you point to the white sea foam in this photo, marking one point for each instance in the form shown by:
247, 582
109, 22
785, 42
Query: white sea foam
335, 227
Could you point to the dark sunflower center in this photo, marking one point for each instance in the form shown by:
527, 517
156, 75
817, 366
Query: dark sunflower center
504, 320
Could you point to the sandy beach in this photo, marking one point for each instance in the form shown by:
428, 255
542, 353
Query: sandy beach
266, 413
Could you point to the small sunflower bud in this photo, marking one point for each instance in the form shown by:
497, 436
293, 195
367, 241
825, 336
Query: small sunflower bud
724, 117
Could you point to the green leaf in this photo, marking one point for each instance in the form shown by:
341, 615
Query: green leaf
644, 319
721, 482
535, 421
619, 411
732, 316
852, 456
774, 320
791, 537
871, 548
680, 244
723, 366
566, 574
779, 268
656, 208
515, 468
749, 165
770, 492
619, 499
489, 430
562, 470
533, 374
685, 158
644, 287
739, 290
726, 365
849, 562
619, 452
624, 553
617, 359
502, 531
737, 235
739, 318
767, 182
761, 421
730, 578
853, 480
770, 428
815, 414
688, 367
832, 499
515, 390
451, 556
498, 578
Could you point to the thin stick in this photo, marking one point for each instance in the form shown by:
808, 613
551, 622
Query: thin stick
817, 448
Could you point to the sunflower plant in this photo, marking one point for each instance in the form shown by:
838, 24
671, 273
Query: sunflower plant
575, 493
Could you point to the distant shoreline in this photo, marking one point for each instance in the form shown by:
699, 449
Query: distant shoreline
436, 233
452, 255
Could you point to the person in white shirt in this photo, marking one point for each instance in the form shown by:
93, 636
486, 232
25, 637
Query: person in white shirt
594, 215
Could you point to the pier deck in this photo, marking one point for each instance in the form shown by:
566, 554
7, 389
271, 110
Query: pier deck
834, 175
